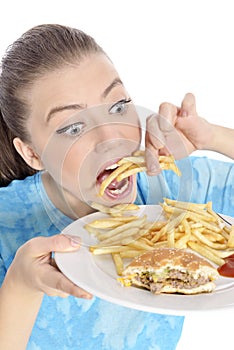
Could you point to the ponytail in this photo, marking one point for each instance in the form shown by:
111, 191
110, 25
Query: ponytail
12, 165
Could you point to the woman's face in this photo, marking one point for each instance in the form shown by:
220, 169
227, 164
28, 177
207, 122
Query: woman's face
82, 122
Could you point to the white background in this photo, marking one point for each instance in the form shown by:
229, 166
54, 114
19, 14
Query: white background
162, 49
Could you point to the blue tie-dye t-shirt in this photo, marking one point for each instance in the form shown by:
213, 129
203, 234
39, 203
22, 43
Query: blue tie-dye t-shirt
72, 323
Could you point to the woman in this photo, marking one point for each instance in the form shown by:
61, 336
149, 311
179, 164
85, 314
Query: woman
66, 118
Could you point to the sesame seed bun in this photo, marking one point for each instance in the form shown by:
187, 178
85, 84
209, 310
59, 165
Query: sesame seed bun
171, 270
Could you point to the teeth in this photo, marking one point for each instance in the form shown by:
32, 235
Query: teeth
113, 166
120, 190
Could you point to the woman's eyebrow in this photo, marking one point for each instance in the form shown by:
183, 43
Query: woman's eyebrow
115, 82
76, 106
55, 110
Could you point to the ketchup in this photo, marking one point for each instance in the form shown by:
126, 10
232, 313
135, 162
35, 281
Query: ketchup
227, 269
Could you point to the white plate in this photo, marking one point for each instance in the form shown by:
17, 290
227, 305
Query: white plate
97, 275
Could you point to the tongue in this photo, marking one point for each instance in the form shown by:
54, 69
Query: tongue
114, 184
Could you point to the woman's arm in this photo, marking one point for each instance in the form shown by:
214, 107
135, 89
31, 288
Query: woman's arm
202, 134
222, 141
31, 275
19, 306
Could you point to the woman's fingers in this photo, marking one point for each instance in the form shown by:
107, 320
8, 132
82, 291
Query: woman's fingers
152, 163
35, 258
188, 105
177, 131
58, 243
154, 136
154, 141
158, 128
54, 283
168, 113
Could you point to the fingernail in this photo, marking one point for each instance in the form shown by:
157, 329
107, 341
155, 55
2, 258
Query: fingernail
84, 295
74, 240
88, 296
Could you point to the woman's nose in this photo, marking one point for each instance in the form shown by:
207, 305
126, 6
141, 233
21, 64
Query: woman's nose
109, 137
109, 132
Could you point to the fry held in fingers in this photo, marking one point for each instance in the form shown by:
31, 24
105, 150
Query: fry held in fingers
116, 210
129, 166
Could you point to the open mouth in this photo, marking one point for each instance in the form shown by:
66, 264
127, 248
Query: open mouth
115, 188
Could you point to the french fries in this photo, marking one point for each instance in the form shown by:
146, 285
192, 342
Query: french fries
186, 226
116, 210
134, 164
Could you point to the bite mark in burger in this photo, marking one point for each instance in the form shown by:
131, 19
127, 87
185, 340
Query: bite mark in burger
170, 270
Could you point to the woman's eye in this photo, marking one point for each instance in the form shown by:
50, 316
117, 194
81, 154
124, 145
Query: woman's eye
119, 107
71, 130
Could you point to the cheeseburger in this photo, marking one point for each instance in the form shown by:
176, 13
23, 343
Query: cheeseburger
170, 270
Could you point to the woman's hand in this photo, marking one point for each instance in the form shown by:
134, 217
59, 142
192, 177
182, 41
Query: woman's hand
31, 274
175, 130
33, 268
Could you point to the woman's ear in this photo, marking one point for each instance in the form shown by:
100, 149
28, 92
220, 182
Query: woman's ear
28, 154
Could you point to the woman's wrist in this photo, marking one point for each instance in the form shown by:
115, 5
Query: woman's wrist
14, 282
209, 137
19, 306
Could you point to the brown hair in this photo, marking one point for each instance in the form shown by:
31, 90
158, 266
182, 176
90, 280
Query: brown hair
41, 49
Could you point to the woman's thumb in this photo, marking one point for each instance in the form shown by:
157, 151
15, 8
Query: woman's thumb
63, 242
